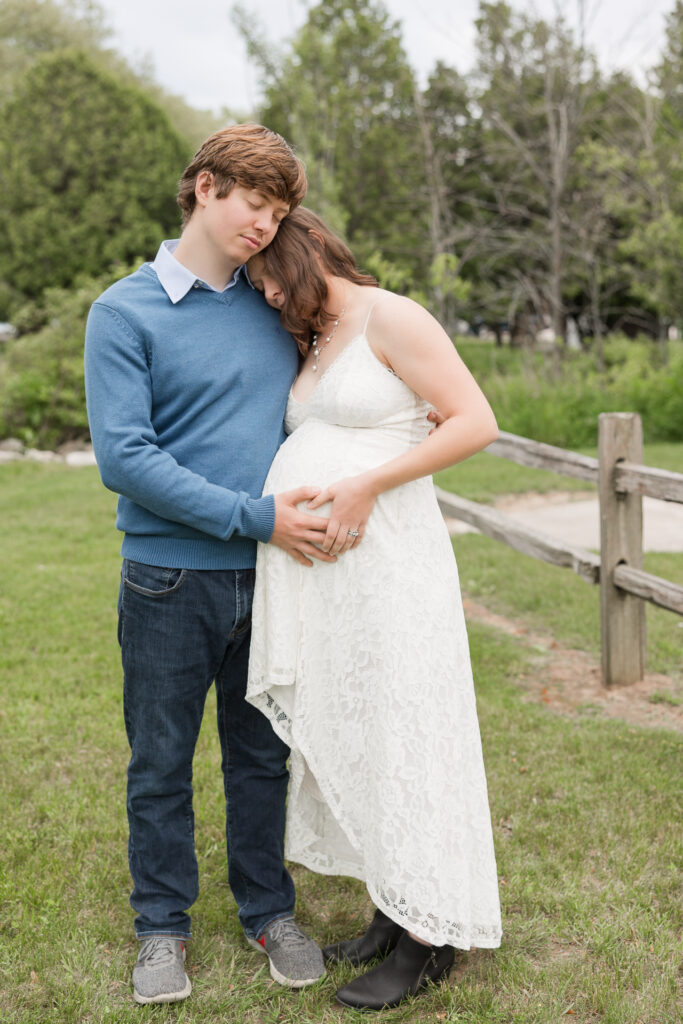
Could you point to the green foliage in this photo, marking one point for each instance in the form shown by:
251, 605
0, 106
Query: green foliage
558, 188
559, 401
42, 393
96, 185
344, 95
31, 29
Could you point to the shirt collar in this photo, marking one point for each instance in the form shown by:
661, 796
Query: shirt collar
176, 279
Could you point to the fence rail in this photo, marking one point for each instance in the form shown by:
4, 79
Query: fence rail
537, 455
622, 481
656, 483
521, 537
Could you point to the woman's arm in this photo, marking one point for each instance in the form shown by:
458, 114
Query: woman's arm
408, 340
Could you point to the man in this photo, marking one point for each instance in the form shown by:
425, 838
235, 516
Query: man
187, 377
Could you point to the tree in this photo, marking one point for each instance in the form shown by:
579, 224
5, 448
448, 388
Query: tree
94, 185
344, 95
31, 29
465, 228
534, 81
655, 244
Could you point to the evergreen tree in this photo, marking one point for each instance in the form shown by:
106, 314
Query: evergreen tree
88, 174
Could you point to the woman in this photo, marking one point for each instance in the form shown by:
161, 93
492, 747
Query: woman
363, 665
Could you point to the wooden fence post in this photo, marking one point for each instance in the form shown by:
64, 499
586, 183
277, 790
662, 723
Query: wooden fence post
622, 615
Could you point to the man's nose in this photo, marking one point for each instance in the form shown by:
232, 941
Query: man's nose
264, 220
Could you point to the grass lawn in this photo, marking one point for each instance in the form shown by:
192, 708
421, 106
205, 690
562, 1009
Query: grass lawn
484, 476
547, 598
585, 815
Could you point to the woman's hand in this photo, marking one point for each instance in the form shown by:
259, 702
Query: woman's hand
352, 502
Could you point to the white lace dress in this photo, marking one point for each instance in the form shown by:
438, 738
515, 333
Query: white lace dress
363, 669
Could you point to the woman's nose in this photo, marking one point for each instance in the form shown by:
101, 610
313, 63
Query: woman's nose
274, 295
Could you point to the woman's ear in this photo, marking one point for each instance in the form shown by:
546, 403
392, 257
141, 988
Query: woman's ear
317, 237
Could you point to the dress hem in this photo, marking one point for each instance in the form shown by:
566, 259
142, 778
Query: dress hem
283, 726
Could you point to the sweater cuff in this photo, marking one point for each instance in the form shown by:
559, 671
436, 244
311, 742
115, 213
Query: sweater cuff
259, 518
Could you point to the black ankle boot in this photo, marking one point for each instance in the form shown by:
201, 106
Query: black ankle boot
380, 938
403, 973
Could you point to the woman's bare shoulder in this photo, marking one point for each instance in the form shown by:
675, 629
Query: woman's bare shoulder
397, 312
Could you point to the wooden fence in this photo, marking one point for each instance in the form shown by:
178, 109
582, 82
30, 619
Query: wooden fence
622, 480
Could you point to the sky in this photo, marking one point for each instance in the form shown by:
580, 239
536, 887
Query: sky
196, 52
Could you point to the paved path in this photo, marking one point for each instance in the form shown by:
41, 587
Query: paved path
576, 519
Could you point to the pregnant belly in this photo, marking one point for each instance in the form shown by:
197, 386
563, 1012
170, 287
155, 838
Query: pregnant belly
319, 453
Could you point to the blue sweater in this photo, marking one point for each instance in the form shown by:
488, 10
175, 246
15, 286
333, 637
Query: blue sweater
186, 404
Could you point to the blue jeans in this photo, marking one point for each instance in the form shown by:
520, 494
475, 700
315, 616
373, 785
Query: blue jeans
180, 630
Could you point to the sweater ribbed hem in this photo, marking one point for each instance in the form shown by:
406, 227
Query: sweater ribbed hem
181, 553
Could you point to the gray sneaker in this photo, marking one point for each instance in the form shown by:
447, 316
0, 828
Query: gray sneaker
295, 960
159, 975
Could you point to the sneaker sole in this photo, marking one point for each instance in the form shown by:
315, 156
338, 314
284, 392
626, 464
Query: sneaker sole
282, 979
164, 997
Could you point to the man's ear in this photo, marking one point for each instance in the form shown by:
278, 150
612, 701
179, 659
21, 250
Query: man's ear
203, 186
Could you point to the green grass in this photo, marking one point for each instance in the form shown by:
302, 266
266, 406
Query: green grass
584, 810
559, 602
543, 596
484, 477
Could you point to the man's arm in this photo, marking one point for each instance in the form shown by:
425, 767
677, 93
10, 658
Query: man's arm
119, 398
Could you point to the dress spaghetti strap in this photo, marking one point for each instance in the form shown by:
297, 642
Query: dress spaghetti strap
367, 319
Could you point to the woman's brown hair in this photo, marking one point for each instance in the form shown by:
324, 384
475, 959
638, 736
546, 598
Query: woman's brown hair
248, 155
302, 252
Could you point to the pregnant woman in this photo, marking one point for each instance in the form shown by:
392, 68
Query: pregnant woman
363, 666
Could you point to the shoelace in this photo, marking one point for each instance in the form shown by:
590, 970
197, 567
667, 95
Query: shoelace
289, 931
159, 952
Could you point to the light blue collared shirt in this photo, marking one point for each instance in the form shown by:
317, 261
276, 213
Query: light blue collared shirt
176, 279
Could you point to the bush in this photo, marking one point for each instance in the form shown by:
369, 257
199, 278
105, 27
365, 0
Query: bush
42, 395
558, 399
42, 391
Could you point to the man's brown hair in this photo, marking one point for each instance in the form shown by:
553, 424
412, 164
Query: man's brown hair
248, 155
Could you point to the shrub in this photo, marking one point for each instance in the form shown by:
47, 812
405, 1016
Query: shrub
557, 399
42, 391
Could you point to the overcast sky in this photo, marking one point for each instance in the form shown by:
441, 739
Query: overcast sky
196, 52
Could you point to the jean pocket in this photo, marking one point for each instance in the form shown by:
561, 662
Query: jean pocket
152, 580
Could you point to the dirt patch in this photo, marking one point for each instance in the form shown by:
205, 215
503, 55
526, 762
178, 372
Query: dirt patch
569, 680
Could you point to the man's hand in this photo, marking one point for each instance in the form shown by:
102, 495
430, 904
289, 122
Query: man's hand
298, 532
436, 418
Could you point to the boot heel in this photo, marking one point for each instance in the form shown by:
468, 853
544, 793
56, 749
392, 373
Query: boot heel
380, 938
